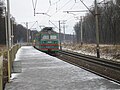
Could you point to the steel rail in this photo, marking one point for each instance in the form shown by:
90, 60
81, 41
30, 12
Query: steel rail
98, 62
92, 59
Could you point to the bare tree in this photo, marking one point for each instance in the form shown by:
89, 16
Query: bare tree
109, 23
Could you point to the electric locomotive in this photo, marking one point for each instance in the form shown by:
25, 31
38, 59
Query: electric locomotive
47, 41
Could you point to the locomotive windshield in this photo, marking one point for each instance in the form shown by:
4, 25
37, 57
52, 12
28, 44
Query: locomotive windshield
45, 37
49, 36
53, 37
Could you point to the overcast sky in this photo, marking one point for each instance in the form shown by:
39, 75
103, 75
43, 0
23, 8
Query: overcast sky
22, 10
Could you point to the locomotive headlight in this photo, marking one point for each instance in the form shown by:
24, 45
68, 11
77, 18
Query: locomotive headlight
43, 42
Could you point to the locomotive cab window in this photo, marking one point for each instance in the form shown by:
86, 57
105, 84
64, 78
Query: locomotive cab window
45, 37
53, 37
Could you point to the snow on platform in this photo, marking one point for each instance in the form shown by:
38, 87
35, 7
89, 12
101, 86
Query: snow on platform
43, 72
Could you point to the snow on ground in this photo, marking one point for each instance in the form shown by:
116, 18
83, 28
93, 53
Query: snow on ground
110, 52
43, 72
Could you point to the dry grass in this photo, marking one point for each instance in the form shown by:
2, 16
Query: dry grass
112, 51
2, 49
5, 64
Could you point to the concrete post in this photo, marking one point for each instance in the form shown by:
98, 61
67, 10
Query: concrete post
81, 32
64, 31
1, 73
27, 33
60, 36
9, 66
97, 30
6, 28
9, 25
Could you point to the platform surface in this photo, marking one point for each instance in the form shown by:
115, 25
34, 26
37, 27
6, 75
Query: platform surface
43, 72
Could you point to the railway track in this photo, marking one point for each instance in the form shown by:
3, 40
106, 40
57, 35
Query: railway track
105, 68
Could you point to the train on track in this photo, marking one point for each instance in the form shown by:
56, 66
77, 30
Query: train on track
47, 41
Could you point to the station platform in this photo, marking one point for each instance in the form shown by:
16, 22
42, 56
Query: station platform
44, 72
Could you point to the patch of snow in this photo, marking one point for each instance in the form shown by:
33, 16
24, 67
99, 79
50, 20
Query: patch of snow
110, 52
14, 75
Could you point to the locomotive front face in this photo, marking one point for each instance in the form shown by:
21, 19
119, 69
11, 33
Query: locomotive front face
49, 42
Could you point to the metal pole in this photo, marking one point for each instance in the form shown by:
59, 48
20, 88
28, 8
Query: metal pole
60, 36
32, 37
64, 31
73, 37
97, 30
9, 66
1, 72
28, 36
6, 28
27, 31
9, 26
34, 12
12, 32
81, 32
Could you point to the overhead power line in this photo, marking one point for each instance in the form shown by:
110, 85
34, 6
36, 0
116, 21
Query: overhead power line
34, 5
44, 14
33, 24
62, 7
65, 4
77, 11
55, 2
87, 7
50, 2
53, 24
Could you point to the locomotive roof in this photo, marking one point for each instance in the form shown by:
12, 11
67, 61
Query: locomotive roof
48, 30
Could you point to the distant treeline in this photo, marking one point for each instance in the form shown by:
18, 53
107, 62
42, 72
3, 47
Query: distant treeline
109, 24
19, 31
67, 38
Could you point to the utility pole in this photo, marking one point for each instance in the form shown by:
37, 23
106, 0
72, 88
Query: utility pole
6, 29
73, 38
97, 30
81, 29
9, 26
96, 20
64, 31
60, 32
12, 32
29, 36
12, 28
27, 31
60, 35
81, 32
